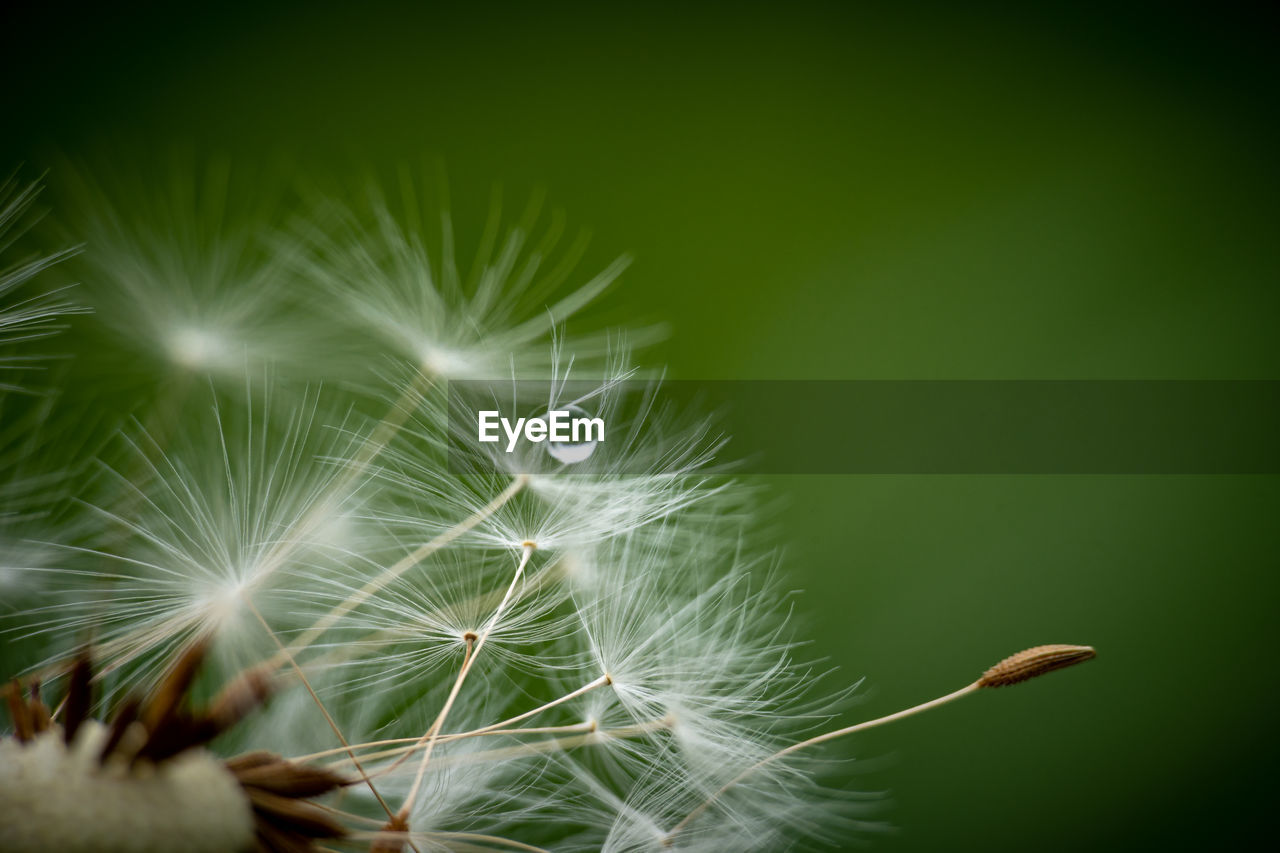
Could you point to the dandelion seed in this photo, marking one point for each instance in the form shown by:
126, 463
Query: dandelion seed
381, 276
27, 312
185, 277
1023, 666
228, 518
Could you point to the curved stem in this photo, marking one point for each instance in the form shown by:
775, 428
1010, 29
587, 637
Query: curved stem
555, 744
814, 741
434, 732
574, 694
399, 742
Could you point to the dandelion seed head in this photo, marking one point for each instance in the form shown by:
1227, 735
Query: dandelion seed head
50, 793
576, 638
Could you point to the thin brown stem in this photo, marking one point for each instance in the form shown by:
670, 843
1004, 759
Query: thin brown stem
591, 735
1015, 669
319, 704
433, 734
417, 739
814, 741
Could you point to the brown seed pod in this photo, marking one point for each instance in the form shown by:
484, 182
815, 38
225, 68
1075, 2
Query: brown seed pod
1033, 662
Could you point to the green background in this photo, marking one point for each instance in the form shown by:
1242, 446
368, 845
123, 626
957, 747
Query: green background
902, 191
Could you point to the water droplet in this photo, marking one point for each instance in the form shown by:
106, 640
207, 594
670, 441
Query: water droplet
570, 452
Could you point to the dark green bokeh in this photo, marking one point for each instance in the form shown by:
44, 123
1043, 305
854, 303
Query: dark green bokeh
830, 191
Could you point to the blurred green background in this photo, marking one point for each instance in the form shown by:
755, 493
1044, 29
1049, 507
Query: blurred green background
908, 190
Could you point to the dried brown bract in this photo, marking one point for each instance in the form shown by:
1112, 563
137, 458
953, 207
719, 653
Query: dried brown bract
150, 756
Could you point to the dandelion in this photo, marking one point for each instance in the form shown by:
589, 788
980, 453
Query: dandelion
318, 620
